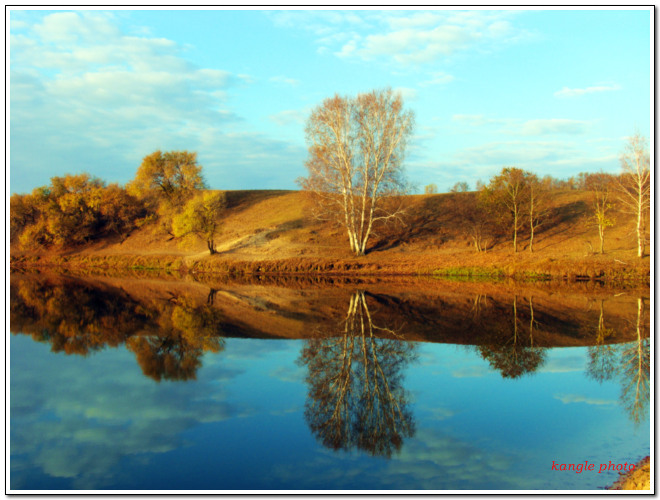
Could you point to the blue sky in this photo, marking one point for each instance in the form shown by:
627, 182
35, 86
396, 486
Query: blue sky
551, 91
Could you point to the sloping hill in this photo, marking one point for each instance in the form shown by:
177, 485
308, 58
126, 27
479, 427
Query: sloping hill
271, 231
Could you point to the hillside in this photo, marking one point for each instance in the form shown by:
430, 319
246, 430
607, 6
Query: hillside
271, 231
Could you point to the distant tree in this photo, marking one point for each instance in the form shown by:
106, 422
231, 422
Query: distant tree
430, 189
600, 187
476, 219
510, 191
635, 185
537, 206
460, 187
355, 164
200, 218
172, 177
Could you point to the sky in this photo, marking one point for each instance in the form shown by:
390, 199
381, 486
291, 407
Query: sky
550, 91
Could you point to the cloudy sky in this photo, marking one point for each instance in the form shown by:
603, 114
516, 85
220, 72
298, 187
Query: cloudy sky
551, 91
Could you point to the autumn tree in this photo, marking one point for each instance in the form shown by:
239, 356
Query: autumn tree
355, 164
537, 204
73, 208
475, 218
460, 187
600, 187
510, 191
635, 185
200, 218
120, 211
171, 177
430, 189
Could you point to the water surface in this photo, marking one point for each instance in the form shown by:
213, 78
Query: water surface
163, 385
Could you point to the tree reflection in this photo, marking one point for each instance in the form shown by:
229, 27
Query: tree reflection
629, 362
74, 320
513, 352
168, 337
356, 396
175, 351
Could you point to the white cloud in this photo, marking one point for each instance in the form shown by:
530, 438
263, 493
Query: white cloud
407, 93
568, 92
404, 37
86, 96
578, 398
288, 117
438, 78
554, 126
286, 81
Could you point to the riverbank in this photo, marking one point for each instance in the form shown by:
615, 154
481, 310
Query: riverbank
638, 479
270, 232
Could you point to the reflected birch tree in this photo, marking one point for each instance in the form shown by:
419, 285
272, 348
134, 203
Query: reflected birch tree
630, 363
355, 375
515, 354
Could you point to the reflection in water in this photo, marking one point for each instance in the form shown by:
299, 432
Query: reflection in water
175, 351
629, 363
356, 396
512, 351
168, 338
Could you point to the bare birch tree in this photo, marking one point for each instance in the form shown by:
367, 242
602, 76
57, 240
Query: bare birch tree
635, 185
510, 191
356, 152
537, 206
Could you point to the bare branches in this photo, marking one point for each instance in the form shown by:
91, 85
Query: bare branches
356, 150
634, 185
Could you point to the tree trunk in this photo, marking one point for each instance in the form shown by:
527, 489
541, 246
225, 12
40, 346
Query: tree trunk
515, 233
211, 246
601, 233
640, 235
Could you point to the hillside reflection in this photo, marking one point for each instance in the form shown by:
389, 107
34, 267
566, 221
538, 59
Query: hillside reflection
356, 396
168, 337
354, 359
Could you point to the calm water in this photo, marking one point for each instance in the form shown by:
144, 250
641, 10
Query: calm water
147, 385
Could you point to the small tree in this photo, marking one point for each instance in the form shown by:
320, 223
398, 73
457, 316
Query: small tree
356, 152
200, 218
476, 221
635, 185
460, 187
537, 206
430, 189
600, 184
510, 191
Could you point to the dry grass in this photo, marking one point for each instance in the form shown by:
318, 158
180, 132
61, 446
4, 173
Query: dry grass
269, 231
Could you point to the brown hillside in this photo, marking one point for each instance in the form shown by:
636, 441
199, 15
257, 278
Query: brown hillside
270, 231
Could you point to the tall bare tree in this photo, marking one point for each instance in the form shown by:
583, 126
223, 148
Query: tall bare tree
356, 152
537, 206
635, 184
510, 191
600, 186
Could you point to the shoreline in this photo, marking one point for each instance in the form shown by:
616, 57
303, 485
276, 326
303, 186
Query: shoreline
515, 269
637, 479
